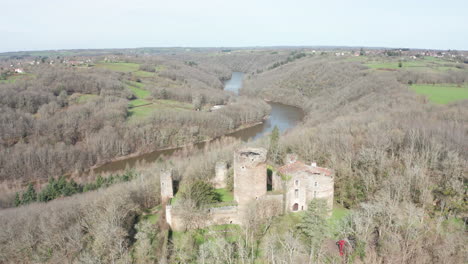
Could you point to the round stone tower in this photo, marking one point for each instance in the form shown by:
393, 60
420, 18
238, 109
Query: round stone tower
250, 174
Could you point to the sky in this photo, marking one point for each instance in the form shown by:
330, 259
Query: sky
91, 24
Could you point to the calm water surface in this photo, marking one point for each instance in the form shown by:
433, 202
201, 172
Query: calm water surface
282, 116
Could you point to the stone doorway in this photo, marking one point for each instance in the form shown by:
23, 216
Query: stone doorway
295, 207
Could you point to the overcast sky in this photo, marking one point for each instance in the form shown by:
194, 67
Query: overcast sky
81, 24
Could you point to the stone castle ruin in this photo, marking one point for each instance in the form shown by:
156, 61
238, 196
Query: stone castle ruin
250, 181
290, 187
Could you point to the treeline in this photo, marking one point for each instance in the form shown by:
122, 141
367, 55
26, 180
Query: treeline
423, 77
294, 56
61, 187
223, 63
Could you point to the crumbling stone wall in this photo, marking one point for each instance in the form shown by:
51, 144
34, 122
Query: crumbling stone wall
178, 221
221, 171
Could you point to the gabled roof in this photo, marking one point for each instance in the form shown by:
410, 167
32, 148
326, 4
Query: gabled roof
298, 166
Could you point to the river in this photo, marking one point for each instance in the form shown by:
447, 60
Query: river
282, 116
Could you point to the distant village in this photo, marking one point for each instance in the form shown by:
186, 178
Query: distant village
22, 64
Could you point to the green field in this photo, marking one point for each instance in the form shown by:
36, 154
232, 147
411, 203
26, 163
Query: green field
426, 63
119, 66
139, 92
143, 74
441, 94
138, 113
138, 102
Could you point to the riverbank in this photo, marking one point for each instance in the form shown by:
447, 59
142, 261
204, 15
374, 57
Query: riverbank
105, 167
112, 166
282, 116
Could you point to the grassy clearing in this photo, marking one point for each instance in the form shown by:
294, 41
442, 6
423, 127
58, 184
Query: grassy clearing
441, 94
138, 113
119, 66
138, 102
143, 74
139, 92
338, 214
142, 112
152, 218
137, 89
225, 195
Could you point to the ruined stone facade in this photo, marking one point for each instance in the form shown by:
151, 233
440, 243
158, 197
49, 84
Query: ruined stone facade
294, 185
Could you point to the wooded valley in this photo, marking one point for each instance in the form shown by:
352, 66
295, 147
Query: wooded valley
400, 159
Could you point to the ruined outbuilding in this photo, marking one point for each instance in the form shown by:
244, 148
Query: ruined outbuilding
290, 187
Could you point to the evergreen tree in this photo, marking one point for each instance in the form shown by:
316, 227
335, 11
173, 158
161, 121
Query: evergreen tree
71, 188
30, 195
100, 181
314, 225
200, 192
274, 146
17, 200
361, 52
51, 191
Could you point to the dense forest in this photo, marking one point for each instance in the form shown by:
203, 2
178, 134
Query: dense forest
400, 160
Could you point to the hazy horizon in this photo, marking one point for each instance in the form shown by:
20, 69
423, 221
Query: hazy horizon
55, 25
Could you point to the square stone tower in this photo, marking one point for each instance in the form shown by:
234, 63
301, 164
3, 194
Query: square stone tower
167, 190
250, 174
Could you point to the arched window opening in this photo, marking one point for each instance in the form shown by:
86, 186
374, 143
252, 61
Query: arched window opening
295, 207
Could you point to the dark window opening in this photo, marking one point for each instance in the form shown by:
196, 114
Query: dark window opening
269, 180
295, 207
